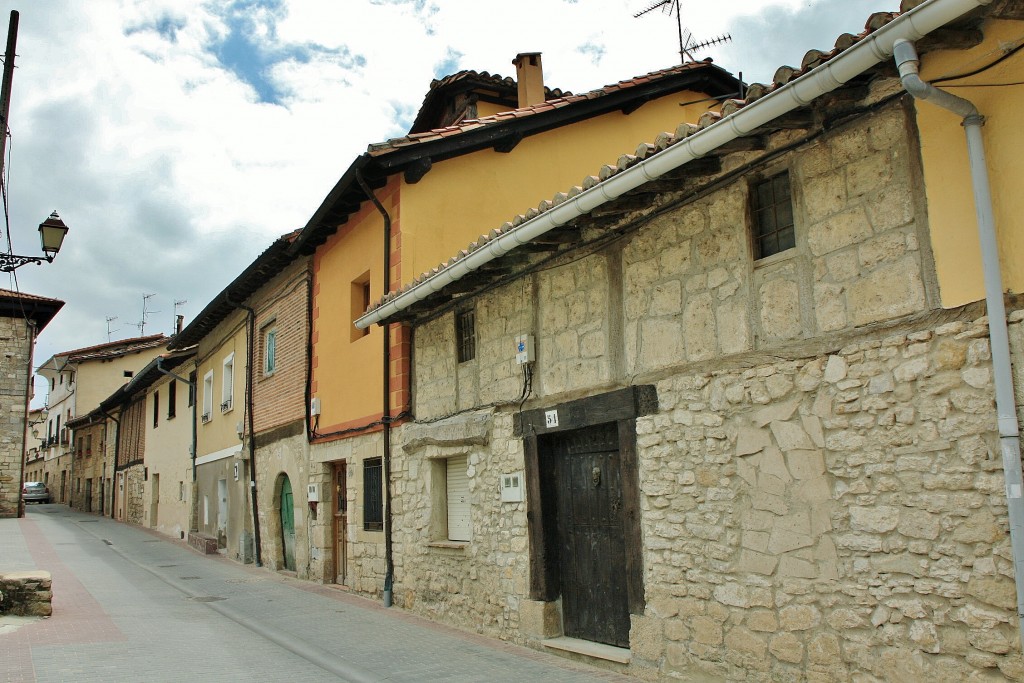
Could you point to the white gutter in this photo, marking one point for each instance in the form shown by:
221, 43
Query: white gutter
866, 53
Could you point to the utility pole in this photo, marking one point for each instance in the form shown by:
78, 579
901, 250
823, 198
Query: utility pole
5, 87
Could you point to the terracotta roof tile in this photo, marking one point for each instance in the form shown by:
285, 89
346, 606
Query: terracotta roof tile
557, 100
785, 74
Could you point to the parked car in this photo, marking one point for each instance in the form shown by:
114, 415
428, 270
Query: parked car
35, 492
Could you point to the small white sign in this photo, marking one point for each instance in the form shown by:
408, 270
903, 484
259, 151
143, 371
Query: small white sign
551, 418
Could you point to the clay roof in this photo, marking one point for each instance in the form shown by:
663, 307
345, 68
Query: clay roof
40, 309
112, 349
783, 75
491, 87
558, 101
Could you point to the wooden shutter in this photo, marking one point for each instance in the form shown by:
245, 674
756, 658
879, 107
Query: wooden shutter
459, 526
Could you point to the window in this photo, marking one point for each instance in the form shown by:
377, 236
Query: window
457, 490
172, 398
465, 335
81, 446
193, 378
772, 207
360, 302
207, 396
227, 384
373, 495
156, 408
88, 445
270, 351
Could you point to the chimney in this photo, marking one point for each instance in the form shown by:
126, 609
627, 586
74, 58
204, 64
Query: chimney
179, 323
530, 77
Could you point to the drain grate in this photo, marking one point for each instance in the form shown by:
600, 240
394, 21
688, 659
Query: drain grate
242, 580
188, 578
166, 566
206, 598
87, 521
107, 542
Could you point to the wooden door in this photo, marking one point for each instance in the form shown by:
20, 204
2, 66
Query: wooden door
288, 525
340, 480
591, 534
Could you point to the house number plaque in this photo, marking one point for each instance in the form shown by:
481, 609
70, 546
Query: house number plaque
550, 418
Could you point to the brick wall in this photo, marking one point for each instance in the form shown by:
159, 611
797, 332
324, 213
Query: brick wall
282, 304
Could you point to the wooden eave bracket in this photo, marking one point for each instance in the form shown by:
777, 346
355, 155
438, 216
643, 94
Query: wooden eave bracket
508, 143
415, 171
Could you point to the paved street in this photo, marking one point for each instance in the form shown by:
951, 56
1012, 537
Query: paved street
132, 606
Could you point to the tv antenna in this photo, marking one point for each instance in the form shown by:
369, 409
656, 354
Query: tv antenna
687, 44
110, 319
145, 313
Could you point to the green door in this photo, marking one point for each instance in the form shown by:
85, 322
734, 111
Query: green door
288, 525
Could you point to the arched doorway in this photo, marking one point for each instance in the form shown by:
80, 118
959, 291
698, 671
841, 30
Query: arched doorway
287, 524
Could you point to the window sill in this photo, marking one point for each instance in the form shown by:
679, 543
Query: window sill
451, 545
775, 258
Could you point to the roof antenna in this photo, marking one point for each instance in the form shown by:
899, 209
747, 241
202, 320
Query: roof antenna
178, 318
687, 45
110, 319
145, 313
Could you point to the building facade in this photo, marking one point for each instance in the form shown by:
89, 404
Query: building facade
750, 440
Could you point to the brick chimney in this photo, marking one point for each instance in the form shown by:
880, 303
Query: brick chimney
530, 78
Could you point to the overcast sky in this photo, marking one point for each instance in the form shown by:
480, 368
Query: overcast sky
178, 138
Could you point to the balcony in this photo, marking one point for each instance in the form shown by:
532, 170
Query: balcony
207, 417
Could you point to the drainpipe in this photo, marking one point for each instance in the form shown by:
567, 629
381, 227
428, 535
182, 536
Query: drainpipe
389, 559
1006, 406
249, 346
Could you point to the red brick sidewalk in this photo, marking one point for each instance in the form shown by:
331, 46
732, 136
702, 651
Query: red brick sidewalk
77, 617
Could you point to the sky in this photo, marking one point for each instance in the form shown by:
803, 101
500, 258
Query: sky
178, 138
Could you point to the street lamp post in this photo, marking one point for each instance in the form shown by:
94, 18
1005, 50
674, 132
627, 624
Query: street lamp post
51, 236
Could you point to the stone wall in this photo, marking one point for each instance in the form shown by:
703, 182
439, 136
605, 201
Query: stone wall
836, 516
26, 594
15, 358
821, 492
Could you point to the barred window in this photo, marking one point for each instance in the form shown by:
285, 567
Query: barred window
373, 495
465, 335
772, 216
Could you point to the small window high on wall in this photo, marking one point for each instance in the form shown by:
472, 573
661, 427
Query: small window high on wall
772, 214
360, 302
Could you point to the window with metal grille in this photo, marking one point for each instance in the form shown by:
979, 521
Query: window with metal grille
373, 495
772, 216
465, 335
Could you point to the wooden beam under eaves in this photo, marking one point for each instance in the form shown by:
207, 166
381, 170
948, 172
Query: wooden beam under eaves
415, 171
508, 143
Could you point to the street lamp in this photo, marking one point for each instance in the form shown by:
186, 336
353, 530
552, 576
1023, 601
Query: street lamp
51, 236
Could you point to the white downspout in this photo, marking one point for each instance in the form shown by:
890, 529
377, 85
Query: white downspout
1006, 406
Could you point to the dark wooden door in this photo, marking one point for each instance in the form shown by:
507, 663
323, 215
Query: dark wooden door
591, 535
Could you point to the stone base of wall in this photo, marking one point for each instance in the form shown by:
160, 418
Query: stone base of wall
26, 594
204, 543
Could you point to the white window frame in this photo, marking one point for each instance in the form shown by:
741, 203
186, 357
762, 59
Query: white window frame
269, 351
207, 396
227, 384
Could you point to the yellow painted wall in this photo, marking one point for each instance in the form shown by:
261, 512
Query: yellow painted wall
168, 458
96, 380
347, 371
465, 197
221, 431
951, 212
